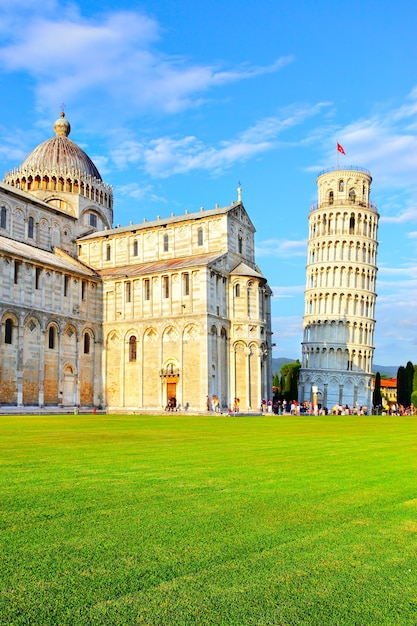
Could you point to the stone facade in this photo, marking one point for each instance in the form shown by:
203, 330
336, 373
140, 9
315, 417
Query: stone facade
340, 293
125, 318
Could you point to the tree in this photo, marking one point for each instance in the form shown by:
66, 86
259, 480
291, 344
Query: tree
401, 385
409, 373
376, 397
405, 383
290, 375
276, 381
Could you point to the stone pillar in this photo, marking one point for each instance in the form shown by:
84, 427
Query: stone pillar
41, 369
19, 373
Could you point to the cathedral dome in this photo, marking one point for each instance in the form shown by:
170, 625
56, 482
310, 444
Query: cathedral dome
60, 154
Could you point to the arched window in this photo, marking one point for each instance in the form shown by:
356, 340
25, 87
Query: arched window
128, 291
86, 343
186, 284
240, 244
3, 222
8, 329
51, 338
30, 228
341, 185
165, 286
132, 348
352, 226
352, 196
331, 197
237, 290
147, 289
200, 236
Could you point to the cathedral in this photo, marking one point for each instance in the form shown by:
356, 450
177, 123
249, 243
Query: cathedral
166, 313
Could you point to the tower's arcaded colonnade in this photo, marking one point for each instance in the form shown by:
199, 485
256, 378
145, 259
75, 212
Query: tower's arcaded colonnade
339, 316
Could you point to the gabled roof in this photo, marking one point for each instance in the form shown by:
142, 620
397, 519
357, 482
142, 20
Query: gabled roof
168, 221
244, 270
58, 258
154, 267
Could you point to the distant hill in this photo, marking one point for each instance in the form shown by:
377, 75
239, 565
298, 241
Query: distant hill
386, 370
276, 364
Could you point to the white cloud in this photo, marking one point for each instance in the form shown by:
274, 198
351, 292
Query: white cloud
386, 141
138, 192
114, 56
407, 215
167, 156
287, 291
282, 248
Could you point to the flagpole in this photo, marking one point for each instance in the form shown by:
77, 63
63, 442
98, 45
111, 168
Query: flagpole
337, 157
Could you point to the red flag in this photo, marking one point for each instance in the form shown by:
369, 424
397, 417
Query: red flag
340, 149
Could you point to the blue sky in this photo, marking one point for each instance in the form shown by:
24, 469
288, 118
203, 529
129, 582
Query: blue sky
176, 102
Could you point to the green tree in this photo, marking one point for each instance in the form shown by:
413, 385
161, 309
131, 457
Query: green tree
376, 397
290, 373
414, 398
415, 378
401, 385
275, 380
405, 382
409, 374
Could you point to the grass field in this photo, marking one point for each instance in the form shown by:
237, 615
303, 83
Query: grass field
181, 520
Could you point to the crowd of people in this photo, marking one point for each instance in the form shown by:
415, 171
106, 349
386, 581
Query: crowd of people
293, 407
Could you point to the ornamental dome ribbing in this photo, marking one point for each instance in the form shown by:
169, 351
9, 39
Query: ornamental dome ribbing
60, 154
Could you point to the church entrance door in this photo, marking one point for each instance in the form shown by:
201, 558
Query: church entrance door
68, 397
172, 394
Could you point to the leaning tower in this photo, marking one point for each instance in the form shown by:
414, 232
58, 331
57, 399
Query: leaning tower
339, 317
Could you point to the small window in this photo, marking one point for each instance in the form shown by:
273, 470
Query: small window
352, 196
341, 185
166, 243
331, 197
200, 236
83, 289
186, 279
51, 338
237, 290
8, 330
132, 348
93, 220
66, 285
147, 289
108, 252
135, 248
17, 265
128, 291
240, 244
38, 272
30, 227
86, 343
3, 222
165, 286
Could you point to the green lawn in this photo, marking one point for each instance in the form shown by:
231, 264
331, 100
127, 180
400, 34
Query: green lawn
182, 520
